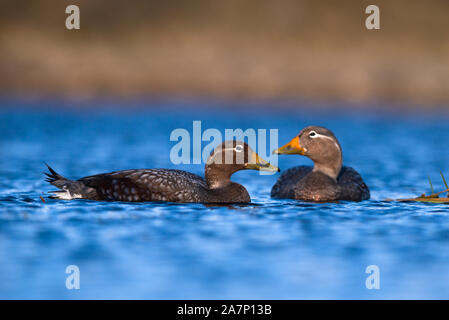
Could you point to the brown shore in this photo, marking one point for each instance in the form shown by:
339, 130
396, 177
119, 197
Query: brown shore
235, 49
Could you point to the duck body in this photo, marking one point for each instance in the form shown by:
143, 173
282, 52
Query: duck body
147, 185
328, 180
139, 185
301, 183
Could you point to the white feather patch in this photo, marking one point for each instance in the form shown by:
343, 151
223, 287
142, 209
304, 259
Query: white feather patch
66, 195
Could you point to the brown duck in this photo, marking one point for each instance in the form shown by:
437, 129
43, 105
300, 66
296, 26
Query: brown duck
168, 184
327, 180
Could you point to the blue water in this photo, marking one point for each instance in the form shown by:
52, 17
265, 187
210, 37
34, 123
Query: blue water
273, 249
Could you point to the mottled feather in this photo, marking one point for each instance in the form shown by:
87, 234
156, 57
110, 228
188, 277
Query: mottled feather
146, 185
302, 184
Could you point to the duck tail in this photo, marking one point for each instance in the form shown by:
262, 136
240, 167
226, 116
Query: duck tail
69, 188
53, 176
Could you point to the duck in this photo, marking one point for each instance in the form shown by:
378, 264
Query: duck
169, 185
328, 180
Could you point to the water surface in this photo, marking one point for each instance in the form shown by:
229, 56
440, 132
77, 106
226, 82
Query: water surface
274, 249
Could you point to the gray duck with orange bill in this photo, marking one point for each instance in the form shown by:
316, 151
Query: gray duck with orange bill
327, 180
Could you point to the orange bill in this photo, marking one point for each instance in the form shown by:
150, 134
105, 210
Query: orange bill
292, 147
258, 163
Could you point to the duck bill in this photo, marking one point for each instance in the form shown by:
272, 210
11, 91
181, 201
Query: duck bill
258, 163
293, 147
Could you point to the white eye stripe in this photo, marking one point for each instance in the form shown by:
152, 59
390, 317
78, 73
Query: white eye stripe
218, 152
317, 135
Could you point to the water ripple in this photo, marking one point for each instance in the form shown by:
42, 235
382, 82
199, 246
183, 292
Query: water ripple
269, 249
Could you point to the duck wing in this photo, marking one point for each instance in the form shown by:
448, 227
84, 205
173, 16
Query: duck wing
353, 188
285, 185
147, 185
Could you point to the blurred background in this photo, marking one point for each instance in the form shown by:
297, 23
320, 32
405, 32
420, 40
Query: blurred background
252, 49
107, 97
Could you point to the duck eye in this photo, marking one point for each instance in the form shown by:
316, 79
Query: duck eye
239, 148
312, 134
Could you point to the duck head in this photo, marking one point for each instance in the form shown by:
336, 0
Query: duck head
318, 144
230, 157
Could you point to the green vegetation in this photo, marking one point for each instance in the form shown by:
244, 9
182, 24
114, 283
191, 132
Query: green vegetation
434, 197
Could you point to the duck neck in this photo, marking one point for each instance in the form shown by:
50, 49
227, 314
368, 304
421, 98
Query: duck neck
331, 169
216, 176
